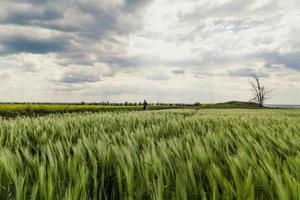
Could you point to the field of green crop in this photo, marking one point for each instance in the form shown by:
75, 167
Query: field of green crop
168, 154
14, 110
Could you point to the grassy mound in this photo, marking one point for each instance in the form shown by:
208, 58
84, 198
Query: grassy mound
232, 104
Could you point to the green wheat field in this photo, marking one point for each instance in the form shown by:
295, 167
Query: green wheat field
166, 154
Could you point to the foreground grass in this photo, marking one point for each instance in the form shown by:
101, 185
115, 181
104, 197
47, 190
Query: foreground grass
176, 154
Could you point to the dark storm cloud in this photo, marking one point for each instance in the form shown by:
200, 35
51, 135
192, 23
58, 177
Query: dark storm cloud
178, 71
244, 72
23, 44
87, 23
290, 59
34, 2
31, 17
126, 61
80, 78
135, 4
107, 20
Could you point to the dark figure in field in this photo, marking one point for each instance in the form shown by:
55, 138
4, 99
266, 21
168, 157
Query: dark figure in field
145, 105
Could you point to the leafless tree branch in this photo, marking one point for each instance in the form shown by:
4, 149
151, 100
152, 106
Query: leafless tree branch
260, 93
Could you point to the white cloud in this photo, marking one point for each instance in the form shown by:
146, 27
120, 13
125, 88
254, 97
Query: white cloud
162, 50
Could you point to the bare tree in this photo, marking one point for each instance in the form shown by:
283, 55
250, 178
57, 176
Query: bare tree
260, 93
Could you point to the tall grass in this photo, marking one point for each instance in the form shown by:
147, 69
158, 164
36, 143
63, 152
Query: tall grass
178, 154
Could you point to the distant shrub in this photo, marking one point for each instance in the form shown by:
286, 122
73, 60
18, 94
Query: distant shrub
197, 104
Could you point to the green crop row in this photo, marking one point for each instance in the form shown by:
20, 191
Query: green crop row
14, 110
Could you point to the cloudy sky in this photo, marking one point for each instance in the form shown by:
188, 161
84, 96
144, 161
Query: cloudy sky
159, 50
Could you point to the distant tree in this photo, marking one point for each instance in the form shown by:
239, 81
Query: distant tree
197, 104
260, 93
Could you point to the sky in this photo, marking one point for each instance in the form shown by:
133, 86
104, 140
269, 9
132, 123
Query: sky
181, 51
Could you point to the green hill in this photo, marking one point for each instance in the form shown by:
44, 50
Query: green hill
231, 104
